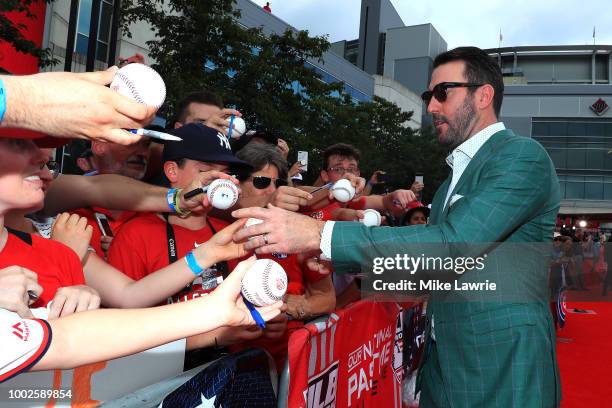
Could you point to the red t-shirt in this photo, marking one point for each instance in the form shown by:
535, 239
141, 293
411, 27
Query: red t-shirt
115, 224
325, 213
55, 264
141, 248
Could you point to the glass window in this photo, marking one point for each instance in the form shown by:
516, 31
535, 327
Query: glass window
84, 17
574, 190
540, 129
81, 44
608, 191
595, 129
558, 129
559, 157
593, 190
101, 51
106, 18
576, 159
594, 159
576, 129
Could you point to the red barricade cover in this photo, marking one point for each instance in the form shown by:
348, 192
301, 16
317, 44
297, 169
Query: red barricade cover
352, 359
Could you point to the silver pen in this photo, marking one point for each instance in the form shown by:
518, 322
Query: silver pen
155, 134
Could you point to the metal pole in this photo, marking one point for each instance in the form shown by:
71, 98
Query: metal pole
93, 35
72, 26
112, 51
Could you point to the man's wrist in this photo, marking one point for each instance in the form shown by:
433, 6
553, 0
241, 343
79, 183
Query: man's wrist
14, 116
326, 240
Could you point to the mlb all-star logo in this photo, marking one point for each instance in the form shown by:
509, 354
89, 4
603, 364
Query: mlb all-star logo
599, 107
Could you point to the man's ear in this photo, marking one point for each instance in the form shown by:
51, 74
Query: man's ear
171, 171
99, 148
324, 176
484, 96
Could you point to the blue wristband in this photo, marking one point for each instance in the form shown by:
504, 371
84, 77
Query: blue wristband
170, 199
2, 100
193, 264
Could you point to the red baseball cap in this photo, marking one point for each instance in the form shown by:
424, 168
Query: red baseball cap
40, 139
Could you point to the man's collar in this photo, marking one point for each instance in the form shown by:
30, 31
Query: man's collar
470, 147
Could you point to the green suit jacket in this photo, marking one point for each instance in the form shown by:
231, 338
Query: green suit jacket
492, 348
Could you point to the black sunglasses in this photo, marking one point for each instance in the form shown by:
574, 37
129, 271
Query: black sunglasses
261, 182
439, 91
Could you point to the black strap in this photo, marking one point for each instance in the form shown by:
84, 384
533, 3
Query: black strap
172, 257
222, 267
24, 236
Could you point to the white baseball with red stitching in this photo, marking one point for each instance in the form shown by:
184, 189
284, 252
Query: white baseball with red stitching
140, 83
264, 283
222, 194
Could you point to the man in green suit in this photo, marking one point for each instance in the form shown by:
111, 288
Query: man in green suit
486, 348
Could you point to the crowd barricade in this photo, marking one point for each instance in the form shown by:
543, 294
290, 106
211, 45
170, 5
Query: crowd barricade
352, 358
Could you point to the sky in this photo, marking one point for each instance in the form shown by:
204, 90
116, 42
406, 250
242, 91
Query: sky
463, 22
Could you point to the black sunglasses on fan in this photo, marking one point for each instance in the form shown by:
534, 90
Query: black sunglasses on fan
439, 91
261, 182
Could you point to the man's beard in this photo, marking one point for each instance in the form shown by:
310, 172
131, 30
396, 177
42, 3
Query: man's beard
460, 128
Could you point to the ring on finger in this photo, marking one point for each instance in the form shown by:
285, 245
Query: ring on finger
265, 238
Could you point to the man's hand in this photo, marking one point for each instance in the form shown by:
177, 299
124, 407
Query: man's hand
15, 283
315, 264
73, 299
220, 121
398, 200
290, 198
105, 243
74, 105
357, 182
72, 231
283, 147
200, 202
417, 187
281, 231
374, 179
221, 247
295, 169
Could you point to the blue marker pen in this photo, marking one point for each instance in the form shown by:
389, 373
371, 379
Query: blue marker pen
256, 316
231, 127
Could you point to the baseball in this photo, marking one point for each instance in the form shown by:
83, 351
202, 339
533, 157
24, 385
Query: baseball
250, 222
140, 83
264, 283
343, 190
239, 126
222, 194
371, 218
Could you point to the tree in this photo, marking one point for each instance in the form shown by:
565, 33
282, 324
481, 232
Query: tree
199, 44
12, 33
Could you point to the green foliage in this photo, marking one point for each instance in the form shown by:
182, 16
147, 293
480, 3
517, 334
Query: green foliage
12, 33
196, 45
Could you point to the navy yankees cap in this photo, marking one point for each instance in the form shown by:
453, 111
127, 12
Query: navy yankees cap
201, 143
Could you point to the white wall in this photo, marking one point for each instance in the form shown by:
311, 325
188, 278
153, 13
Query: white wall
403, 97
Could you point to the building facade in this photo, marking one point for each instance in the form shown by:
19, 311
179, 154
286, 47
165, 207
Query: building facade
559, 95
396, 52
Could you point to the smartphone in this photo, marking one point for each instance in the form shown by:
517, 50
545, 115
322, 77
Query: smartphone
104, 225
419, 178
303, 159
